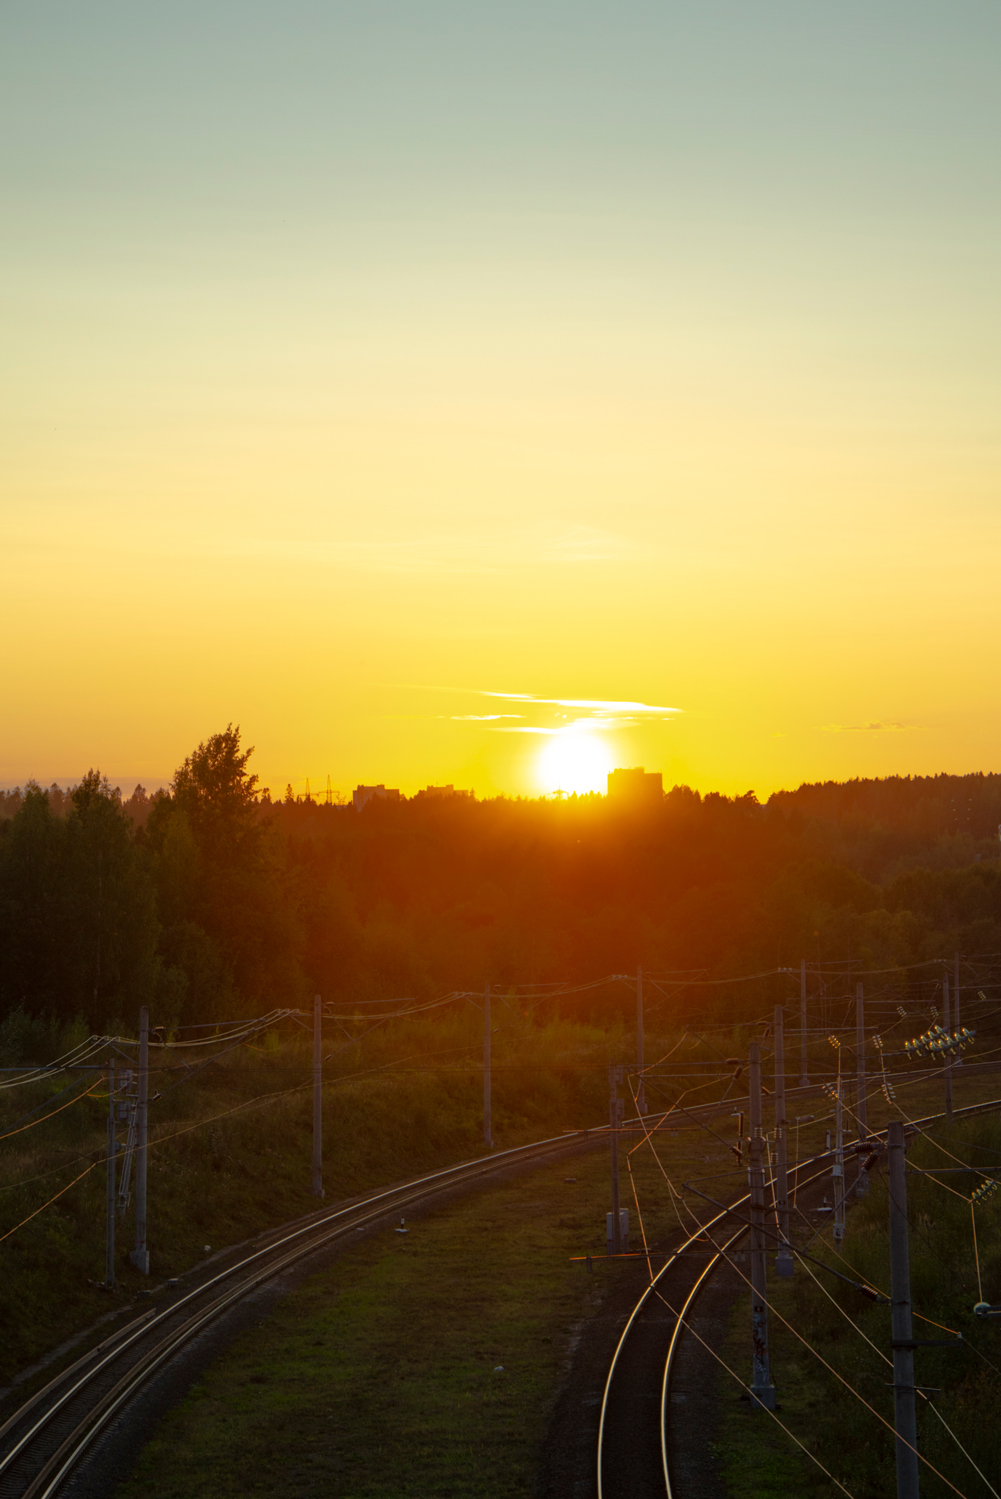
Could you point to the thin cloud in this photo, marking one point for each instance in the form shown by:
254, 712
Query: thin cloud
525, 729
481, 717
868, 728
572, 726
596, 704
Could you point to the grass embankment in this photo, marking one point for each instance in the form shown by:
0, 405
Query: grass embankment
425, 1364
760, 1461
231, 1148
378, 1379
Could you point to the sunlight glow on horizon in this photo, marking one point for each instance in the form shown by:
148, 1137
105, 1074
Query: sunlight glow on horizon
574, 761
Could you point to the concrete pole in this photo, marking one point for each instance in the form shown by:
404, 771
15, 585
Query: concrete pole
109, 1232
488, 1137
614, 1077
861, 1110
140, 1254
762, 1389
783, 1259
641, 1094
804, 1080
317, 1099
955, 1001
754, 1089
838, 1169
902, 1332
947, 1070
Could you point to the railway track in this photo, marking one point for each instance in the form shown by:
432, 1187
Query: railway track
43, 1443
635, 1431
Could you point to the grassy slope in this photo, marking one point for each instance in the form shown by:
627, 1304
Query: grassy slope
218, 1180
379, 1376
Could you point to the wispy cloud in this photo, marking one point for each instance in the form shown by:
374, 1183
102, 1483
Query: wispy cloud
530, 729
597, 705
600, 714
868, 728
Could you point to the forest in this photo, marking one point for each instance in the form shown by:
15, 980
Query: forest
210, 901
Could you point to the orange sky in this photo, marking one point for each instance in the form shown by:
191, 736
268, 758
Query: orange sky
352, 371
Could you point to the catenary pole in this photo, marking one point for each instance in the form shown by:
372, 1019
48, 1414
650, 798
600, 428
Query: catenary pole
861, 1112
140, 1254
955, 1001
804, 1080
754, 1089
783, 1259
902, 1332
109, 1231
641, 1091
947, 1070
838, 1169
317, 1099
614, 1111
762, 1388
488, 1137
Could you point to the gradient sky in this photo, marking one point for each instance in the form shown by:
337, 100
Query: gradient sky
362, 360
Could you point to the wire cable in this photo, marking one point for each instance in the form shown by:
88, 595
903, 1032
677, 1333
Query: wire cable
54, 1112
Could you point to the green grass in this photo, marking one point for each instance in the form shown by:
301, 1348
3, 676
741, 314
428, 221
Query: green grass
219, 1180
379, 1377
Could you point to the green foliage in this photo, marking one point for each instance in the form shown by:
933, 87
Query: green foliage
211, 900
230, 915
78, 922
231, 1149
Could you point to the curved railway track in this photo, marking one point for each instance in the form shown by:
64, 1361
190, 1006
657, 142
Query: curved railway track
634, 1425
43, 1442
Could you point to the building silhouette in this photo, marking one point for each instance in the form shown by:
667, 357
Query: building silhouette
636, 787
362, 795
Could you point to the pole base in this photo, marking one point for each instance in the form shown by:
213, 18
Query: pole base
140, 1258
763, 1395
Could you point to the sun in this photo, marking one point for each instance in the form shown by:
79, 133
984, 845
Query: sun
574, 761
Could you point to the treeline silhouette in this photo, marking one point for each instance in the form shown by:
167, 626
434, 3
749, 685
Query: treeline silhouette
209, 900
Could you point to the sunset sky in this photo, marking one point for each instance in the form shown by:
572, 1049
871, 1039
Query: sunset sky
496, 394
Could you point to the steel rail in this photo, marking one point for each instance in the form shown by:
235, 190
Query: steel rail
691, 1239
675, 1339
302, 1241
